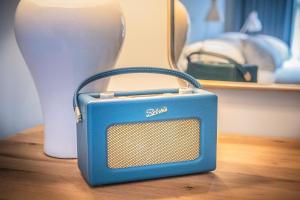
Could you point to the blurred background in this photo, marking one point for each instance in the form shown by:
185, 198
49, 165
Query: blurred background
262, 33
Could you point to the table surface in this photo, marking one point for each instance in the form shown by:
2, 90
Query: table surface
247, 168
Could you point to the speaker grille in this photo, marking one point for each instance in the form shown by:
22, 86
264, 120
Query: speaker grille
149, 143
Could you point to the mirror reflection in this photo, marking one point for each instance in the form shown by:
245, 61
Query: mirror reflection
238, 40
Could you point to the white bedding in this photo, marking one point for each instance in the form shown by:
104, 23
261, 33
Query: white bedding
268, 53
289, 73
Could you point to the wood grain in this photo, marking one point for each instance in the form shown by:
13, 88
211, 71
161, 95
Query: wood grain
248, 168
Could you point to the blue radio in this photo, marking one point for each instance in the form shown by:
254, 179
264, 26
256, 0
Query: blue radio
137, 135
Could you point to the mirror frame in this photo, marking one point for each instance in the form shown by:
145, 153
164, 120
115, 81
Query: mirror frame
218, 84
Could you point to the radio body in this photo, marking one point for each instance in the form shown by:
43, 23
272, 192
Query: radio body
130, 136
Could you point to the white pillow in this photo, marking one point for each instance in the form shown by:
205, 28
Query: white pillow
256, 52
235, 38
265, 51
277, 48
289, 73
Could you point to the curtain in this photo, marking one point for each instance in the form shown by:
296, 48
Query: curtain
276, 16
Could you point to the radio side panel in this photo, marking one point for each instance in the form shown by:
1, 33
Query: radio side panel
83, 138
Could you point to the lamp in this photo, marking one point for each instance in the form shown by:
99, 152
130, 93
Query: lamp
213, 14
252, 23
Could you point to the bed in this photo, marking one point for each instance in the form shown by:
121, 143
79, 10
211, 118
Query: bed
270, 54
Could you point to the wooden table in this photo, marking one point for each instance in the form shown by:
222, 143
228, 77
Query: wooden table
248, 168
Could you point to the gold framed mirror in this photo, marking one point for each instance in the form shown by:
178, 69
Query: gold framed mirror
184, 38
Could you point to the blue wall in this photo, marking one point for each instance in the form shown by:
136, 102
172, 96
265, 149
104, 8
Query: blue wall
200, 28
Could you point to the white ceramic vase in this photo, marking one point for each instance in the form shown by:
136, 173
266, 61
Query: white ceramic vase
63, 42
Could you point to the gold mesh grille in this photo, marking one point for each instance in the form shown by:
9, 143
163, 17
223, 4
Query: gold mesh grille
149, 143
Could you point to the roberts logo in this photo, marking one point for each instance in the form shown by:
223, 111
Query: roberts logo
156, 111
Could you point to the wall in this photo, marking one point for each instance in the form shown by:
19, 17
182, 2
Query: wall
267, 113
200, 28
145, 44
246, 112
